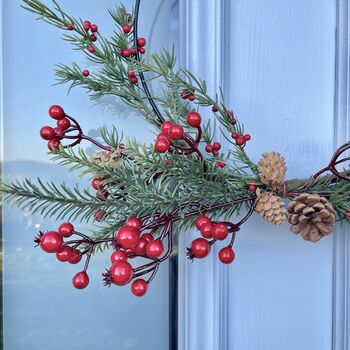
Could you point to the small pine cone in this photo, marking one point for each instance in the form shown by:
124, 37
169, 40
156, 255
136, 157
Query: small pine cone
312, 216
272, 170
110, 159
271, 208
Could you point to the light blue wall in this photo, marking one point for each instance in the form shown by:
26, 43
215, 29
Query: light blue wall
41, 309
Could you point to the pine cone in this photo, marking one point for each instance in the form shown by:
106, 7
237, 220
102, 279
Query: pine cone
312, 216
270, 208
110, 159
273, 169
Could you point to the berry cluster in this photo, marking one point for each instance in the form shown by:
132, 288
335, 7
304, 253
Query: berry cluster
212, 232
132, 77
240, 139
213, 148
55, 134
101, 192
93, 28
169, 131
128, 52
188, 95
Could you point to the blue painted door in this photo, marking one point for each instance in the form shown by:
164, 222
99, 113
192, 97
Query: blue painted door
278, 62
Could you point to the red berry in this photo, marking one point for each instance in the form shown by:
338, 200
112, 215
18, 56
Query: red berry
191, 97
200, 248
141, 50
53, 144
134, 222
201, 221
194, 119
215, 109
86, 73
63, 124
127, 237
176, 132
91, 49
131, 74
132, 51
216, 146
64, 253
240, 140
215, 152
139, 287
47, 133
51, 242
118, 255
99, 215
87, 25
56, 112
66, 229
162, 145
148, 237
75, 257
141, 42
247, 137
166, 127
140, 247
226, 255
125, 53
59, 134
70, 27
234, 135
209, 148
206, 230
126, 28
121, 273
233, 121
220, 164
93, 37
155, 249
219, 231
251, 187
94, 28
97, 184
80, 280
348, 214
133, 80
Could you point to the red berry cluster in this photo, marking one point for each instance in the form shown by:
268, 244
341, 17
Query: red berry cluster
188, 95
93, 28
240, 139
55, 134
220, 164
169, 131
132, 77
53, 242
128, 52
97, 184
213, 148
130, 244
216, 231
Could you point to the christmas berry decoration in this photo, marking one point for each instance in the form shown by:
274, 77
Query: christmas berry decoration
158, 192
127, 237
219, 231
141, 42
94, 28
252, 187
87, 25
51, 242
64, 253
155, 249
80, 280
126, 28
56, 112
63, 124
176, 132
118, 255
194, 119
86, 73
47, 133
121, 273
200, 248
139, 287
226, 255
